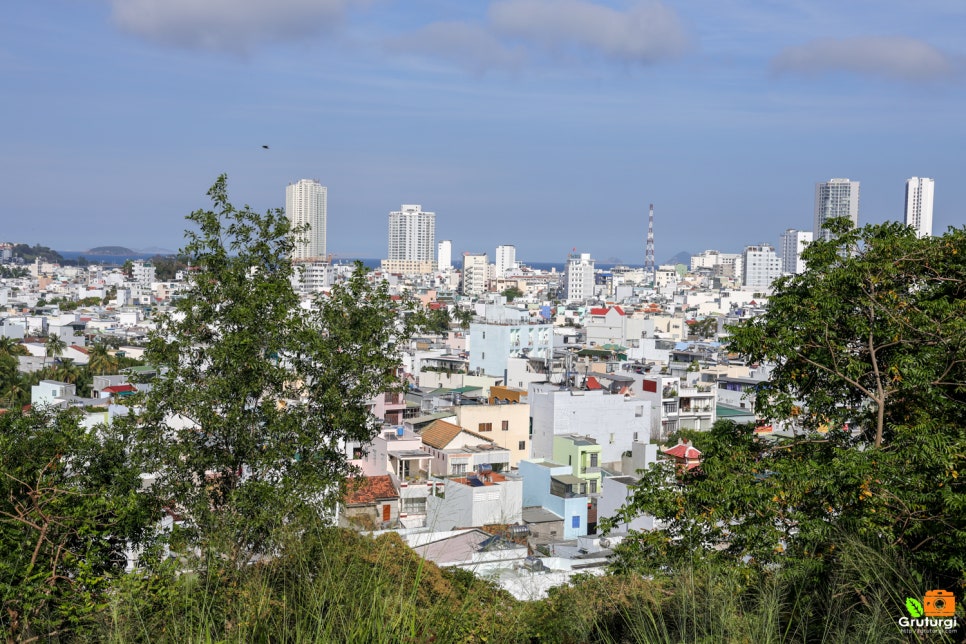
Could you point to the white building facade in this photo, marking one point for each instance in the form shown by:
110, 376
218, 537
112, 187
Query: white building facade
919, 200
614, 421
835, 198
474, 273
793, 242
579, 277
444, 255
306, 204
761, 265
506, 260
412, 240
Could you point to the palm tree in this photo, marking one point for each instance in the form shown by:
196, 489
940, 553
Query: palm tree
12, 347
67, 371
54, 346
100, 361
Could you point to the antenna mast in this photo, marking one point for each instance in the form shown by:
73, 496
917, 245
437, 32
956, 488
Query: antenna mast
649, 266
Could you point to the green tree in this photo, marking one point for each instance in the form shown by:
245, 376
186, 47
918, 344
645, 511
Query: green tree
437, 321
255, 396
463, 316
868, 349
70, 503
100, 361
67, 371
511, 293
54, 347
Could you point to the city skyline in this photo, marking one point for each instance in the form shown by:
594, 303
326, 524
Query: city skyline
572, 114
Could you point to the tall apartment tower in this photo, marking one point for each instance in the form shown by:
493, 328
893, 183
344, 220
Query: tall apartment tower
835, 198
793, 242
579, 277
475, 268
761, 266
919, 196
506, 260
444, 255
412, 240
306, 204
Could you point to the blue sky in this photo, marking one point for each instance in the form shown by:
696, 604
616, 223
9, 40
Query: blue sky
548, 124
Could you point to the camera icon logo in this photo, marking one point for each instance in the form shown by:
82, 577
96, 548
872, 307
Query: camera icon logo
939, 603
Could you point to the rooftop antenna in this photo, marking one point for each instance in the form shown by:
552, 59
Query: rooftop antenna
649, 248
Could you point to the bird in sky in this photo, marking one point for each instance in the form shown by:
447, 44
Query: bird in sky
264, 147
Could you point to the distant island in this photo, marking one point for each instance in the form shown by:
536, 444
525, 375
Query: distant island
110, 250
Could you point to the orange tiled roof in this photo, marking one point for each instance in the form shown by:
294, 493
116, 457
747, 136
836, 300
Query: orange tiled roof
439, 434
369, 489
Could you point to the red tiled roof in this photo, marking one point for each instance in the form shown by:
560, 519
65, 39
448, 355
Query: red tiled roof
78, 348
683, 450
369, 489
593, 383
605, 310
119, 389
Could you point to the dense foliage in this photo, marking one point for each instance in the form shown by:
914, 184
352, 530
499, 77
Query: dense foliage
869, 355
70, 503
246, 423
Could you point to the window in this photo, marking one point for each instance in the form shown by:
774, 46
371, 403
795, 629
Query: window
593, 460
459, 468
522, 445
486, 427
575, 522
593, 486
639, 411
611, 439
506, 425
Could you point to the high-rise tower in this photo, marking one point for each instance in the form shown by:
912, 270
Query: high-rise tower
649, 266
919, 197
306, 204
412, 240
835, 198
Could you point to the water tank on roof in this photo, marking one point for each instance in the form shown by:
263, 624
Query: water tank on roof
485, 468
400, 431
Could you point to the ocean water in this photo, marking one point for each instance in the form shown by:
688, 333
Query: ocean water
107, 260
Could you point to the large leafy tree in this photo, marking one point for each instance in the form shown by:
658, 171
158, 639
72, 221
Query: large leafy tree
70, 504
873, 333
256, 396
868, 349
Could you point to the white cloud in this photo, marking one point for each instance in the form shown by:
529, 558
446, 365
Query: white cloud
470, 46
226, 25
646, 32
895, 57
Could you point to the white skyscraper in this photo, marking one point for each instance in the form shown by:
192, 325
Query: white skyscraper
306, 204
761, 266
835, 198
793, 242
579, 277
412, 240
444, 255
919, 196
506, 260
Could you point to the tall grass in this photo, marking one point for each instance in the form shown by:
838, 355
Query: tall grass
331, 585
